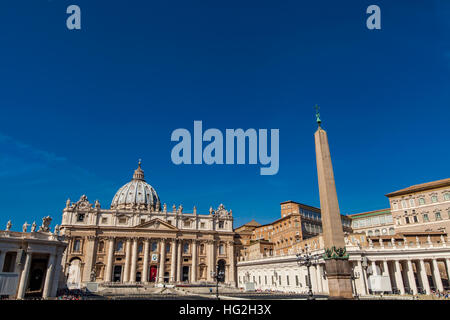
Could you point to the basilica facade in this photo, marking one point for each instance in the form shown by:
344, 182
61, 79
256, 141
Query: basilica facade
139, 241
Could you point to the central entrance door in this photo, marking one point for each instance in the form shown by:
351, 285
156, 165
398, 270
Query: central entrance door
117, 275
153, 273
185, 276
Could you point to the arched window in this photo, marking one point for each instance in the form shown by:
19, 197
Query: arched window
447, 196
221, 248
202, 248
391, 231
119, 246
101, 246
377, 232
370, 233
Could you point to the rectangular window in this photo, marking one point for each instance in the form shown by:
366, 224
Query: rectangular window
434, 199
187, 224
447, 196
411, 202
395, 206
202, 225
122, 220
421, 201
221, 224
438, 216
407, 219
104, 220
296, 281
287, 280
425, 217
415, 219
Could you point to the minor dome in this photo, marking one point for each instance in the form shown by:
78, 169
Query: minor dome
135, 194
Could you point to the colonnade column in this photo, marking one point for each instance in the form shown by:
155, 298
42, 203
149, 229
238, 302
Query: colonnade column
109, 264
180, 243
194, 261
173, 264
90, 253
385, 268
398, 277
134, 261
447, 264
374, 268
162, 260
319, 278
126, 275
57, 271
48, 276
424, 277
411, 278
2, 259
24, 276
145, 263
362, 279
436, 276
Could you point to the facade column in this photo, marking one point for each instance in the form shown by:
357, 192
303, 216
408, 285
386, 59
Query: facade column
179, 260
134, 261
24, 276
232, 263
436, 276
211, 259
89, 262
2, 259
48, 277
145, 264
126, 275
162, 260
109, 264
411, 278
194, 262
398, 277
173, 263
424, 277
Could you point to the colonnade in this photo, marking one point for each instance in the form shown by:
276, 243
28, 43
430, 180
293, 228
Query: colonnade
406, 276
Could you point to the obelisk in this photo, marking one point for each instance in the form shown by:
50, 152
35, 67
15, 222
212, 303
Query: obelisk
337, 266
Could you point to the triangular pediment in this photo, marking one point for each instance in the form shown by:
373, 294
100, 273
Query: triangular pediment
157, 224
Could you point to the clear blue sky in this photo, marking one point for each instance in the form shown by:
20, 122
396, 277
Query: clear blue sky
79, 108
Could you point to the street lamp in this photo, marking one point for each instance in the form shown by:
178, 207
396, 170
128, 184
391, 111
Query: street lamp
218, 275
308, 260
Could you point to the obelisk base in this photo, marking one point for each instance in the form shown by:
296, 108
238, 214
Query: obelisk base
339, 279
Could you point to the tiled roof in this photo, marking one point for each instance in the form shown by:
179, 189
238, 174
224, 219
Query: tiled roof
369, 213
421, 187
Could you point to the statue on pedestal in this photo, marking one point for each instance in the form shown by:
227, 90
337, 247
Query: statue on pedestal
33, 227
8, 225
25, 227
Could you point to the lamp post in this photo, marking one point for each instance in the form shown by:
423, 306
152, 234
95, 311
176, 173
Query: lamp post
308, 260
218, 275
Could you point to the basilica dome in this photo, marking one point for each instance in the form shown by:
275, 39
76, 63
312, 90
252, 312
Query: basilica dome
136, 194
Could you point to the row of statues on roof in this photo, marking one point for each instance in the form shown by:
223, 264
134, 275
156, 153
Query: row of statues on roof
45, 226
